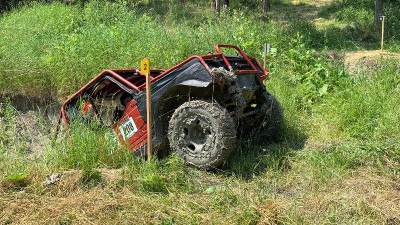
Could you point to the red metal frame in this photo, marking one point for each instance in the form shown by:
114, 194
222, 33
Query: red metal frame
94, 80
63, 116
254, 70
218, 48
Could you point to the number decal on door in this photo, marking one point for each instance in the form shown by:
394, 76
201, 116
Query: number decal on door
128, 128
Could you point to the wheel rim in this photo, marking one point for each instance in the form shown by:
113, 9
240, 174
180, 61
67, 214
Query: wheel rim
196, 133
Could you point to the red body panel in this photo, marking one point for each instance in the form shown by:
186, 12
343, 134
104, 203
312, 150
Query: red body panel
138, 137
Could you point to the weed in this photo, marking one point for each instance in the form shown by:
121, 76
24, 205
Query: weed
67, 220
165, 176
313, 76
90, 177
16, 180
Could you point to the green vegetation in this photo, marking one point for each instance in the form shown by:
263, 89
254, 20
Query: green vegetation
338, 161
75, 43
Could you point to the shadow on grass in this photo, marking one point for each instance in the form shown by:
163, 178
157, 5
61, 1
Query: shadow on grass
288, 12
251, 159
358, 34
25, 103
338, 6
351, 37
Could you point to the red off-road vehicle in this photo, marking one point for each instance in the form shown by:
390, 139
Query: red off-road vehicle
199, 107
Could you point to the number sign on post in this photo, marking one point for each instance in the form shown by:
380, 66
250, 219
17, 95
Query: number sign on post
145, 66
145, 69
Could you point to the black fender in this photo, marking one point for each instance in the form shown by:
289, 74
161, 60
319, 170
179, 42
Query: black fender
171, 91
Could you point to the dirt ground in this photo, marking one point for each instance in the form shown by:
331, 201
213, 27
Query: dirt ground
366, 61
32, 122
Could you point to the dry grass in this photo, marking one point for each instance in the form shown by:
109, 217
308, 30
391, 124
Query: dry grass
367, 61
363, 197
68, 202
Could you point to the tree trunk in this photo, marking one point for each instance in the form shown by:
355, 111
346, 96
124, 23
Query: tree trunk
216, 5
2, 5
378, 13
266, 5
226, 4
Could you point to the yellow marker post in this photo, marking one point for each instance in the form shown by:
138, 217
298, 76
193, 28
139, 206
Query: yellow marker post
145, 69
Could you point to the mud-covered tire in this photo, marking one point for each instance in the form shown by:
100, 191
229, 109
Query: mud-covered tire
202, 133
271, 120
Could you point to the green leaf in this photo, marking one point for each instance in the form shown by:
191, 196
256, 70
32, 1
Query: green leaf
210, 190
16, 176
324, 89
248, 43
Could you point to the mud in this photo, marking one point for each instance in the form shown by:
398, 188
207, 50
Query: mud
220, 142
235, 95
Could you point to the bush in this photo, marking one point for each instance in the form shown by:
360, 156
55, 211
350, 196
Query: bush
311, 73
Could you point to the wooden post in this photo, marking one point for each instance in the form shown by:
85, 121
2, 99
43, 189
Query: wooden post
266, 51
145, 69
383, 32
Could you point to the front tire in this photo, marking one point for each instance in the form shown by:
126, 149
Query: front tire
202, 133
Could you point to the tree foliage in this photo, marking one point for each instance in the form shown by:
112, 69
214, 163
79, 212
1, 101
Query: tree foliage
377, 12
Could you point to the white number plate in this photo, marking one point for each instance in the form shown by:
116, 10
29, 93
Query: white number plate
128, 128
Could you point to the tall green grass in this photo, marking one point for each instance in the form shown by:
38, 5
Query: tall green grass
26, 37
56, 48
89, 146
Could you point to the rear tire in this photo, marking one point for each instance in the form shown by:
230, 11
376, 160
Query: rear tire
202, 133
271, 120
